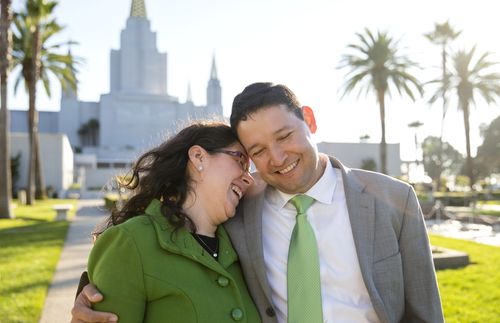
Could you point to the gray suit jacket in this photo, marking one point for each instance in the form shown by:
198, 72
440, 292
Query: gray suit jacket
391, 243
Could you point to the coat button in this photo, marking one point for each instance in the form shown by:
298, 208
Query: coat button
222, 281
270, 311
237, 314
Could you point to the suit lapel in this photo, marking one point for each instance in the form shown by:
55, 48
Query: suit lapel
252, 220
361, 209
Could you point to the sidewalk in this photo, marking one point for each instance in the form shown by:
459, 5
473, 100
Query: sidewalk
73, 261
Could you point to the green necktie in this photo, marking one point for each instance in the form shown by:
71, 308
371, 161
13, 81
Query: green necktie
303, 281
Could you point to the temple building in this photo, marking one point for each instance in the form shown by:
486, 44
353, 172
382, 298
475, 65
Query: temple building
137, 113
87, 143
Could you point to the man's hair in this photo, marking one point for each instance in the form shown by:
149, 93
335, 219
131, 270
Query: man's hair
258, 96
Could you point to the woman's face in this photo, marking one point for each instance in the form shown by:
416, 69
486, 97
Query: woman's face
224, 181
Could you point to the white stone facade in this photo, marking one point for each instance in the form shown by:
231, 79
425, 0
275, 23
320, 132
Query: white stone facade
353, 154
57, 159
138, 112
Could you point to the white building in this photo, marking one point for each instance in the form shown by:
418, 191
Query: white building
108, 135
354, 155
138, 110
57, 156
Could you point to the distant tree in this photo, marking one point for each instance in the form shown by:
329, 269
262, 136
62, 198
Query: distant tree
93, 126
469, 78
431, 153
442, 35
89, 133
369, 164
375, 63
483, 127
83, 132
36, 55
488, 154
364, 138
5, 58
15, 165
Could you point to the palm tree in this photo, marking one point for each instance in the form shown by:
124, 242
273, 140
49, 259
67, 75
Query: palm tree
93, 125
33, 31
469, 78
364, 138
442, 35
89, 133
5, 173
374, 64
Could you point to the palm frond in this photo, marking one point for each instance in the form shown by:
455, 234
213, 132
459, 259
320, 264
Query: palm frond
63, 66
375, 57
471, 76
46, 82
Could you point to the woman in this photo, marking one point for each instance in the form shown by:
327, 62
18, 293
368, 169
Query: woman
164, 256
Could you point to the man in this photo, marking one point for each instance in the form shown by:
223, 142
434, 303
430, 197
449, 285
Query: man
370, 253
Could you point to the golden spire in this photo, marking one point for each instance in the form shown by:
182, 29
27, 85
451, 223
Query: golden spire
138, 9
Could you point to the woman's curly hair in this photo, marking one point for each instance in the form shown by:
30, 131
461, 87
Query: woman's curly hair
161, 173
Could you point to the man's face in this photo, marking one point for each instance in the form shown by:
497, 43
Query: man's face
281, 148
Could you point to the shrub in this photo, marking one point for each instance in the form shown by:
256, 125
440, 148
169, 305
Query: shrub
110, 200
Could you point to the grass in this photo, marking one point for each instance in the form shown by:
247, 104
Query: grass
493, 202
30, 246
489, 212
470, 294
493, 212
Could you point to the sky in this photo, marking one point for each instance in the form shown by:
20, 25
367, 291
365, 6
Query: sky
296, 43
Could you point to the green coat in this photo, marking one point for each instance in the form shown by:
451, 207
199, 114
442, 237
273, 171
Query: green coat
149, 273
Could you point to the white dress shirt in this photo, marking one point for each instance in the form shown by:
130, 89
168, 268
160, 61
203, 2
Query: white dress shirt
345, 297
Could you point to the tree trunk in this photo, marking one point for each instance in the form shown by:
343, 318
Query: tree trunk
416, 148
383, 144
469, 166
32, 124
35, 179
40, 191
5, 173
444, 98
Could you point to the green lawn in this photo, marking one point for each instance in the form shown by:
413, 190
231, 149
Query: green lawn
492, 202
471, 294
494, 212
489, 212
30, 246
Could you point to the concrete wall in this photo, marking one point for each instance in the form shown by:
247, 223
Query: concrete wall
48, 121
97, 178
130, 121
353, 154
57, 159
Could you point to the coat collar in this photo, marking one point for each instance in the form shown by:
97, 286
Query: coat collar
181, 241
361, 209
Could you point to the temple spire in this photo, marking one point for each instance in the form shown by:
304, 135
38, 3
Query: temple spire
213, 72
214, 91
189, 96
138, 9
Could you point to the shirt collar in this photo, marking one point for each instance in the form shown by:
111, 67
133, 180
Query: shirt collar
322, 191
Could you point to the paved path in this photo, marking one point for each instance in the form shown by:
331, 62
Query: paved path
73, 261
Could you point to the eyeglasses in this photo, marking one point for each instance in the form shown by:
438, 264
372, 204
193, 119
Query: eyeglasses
238, 156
